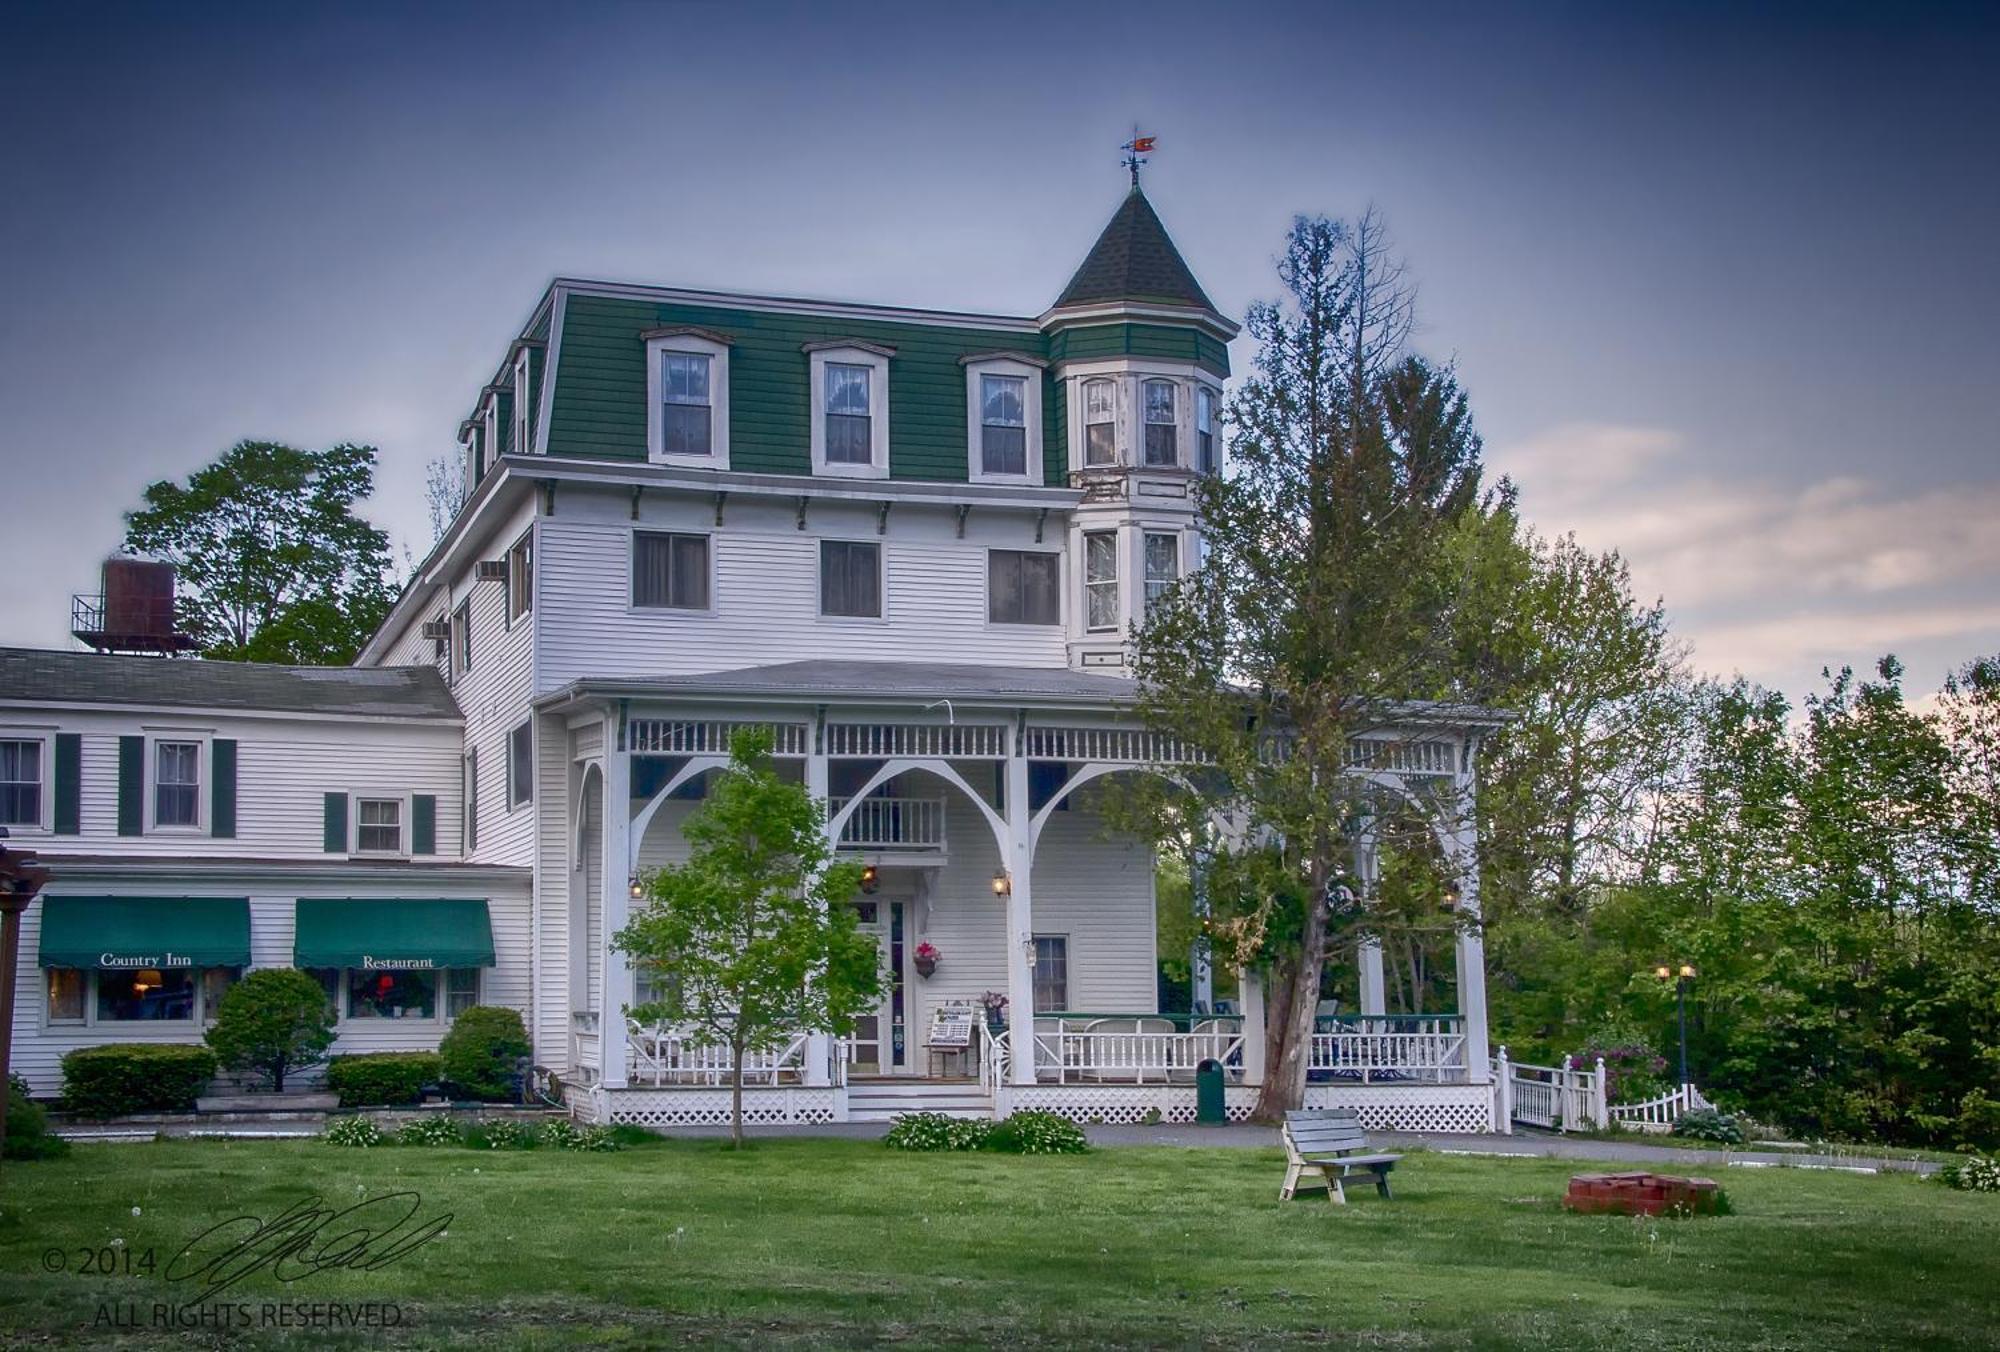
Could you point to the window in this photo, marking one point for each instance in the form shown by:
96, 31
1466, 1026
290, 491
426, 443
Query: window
21, 782
145, 995
1204, 430
686, 426
378, 825
688, 382
177, 783
391, 995
523, 433
1023, 587
469, 823
850, 408
461, 990
521, 578
1160, 426
215, 983
850, 578
669, 572
490, 427
520, 766
461, 640
68, 987
1003, 424
1051, 973
1100, 423
1100, 580
1163, 565
849, 435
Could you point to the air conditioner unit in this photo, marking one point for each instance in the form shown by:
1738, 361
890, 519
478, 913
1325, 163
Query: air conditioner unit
493, 570
437, 629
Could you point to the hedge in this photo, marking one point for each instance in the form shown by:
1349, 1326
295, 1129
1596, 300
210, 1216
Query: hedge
135, 1077
381, 1077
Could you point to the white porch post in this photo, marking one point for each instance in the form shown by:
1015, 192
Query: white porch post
1368, 870
1463, 853
1201, 966
615, 992
819, 1043
1018, 859
1251, 984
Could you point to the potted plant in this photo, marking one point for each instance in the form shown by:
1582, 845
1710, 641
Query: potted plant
996, 1010
926, 959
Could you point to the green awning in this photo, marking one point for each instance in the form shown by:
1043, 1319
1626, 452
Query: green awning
392, 936
133, 932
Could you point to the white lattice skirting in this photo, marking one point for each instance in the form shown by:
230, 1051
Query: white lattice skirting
1439, 1108
708, 1107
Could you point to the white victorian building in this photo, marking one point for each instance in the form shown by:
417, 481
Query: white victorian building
910, 542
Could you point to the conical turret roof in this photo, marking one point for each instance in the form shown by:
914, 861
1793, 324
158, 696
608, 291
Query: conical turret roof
1135, 260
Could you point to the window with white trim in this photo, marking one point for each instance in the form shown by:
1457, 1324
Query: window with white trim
1204, 430
1023, 587
850, 578
688, 386
521, 577
21, 771
176, 783
461, 990
850, 411
1100, 423
1162, 426
1051, 973
523, 431
520, 766
136, 994
669, 571
1003, 424
1163, 564
490, 419
1100, 580
461, 640
378, 825
849, 428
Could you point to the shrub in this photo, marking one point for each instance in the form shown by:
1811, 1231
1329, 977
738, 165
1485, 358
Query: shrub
435, 1129
274, 1021
1974, 1173
135, 1077
28, 1134
563, 1134
1978, 1122
359, 1132
504, 1135
1706, 1124
480, 1053
1035, 1133
381, 1077
936, 1131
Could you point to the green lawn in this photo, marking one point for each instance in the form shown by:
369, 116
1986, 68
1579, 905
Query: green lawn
845, 1242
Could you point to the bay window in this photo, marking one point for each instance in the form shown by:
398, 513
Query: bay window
1163, 565
1100, 580
1204, 430
1161, 427
1100, 423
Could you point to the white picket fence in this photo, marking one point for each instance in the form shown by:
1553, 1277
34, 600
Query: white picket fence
1659, 1114
1571, 1098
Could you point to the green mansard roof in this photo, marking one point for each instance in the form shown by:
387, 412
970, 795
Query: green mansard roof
1135, 260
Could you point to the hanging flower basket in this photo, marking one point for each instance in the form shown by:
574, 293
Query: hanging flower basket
926, 960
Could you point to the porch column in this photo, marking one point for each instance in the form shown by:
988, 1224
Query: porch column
1368, 872
616, 989
1250, 983
819, 1045
1463, 852
1018, 859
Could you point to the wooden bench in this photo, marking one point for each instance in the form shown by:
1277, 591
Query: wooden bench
1324, 1146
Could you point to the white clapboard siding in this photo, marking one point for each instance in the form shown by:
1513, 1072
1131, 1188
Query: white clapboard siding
593, 893
39, 1048
494, 698
1098, 890
549, 1024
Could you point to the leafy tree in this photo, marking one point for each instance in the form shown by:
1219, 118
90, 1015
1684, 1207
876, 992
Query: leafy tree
274, 565
752, 936
478, 1056
274, 1021
1346, 565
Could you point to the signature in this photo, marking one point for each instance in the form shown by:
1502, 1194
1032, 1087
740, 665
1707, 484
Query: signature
308, 1237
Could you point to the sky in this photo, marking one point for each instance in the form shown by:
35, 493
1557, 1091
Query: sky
1721, 280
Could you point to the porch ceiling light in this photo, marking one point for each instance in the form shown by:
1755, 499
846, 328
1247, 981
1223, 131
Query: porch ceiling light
1003, 886
637, 888
871, 878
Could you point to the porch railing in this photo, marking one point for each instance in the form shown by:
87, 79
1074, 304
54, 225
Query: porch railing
658, 1056
1556, 1098
893, 823
1134, 1049
1390, 1048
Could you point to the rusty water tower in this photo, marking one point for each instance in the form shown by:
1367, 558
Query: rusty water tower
133, 614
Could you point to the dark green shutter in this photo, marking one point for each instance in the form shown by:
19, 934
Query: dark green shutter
131, 786
424, 824
472, 800
222, 804
336, 823
69, 783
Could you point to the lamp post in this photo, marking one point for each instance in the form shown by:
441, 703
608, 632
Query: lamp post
1680, 976
20, 879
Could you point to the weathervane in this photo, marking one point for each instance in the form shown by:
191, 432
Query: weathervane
1136, 151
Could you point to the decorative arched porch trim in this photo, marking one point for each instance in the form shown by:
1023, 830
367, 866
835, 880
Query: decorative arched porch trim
697, 765
1085, 773
942, 769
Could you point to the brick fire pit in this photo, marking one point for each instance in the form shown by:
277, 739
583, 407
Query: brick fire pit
1641, 1194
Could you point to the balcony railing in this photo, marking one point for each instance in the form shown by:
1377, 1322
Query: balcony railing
682, 1056
893, 823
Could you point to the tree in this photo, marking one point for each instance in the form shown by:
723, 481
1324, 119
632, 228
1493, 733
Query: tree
752, 936
478, 1057
274, 1021
1348, 564
273, 563
445, 491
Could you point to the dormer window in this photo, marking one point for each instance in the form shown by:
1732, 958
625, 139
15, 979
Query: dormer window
850, 409
1003, 401
1100, 423
1161, 427
489, 421
1003, 425
1204, 430
523, 433
687, 384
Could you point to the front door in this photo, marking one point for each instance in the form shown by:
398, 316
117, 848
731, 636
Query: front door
880, 1043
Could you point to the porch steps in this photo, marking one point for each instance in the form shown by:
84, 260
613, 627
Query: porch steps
882, 1100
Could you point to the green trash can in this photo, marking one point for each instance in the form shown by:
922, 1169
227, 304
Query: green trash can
1208, 1093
